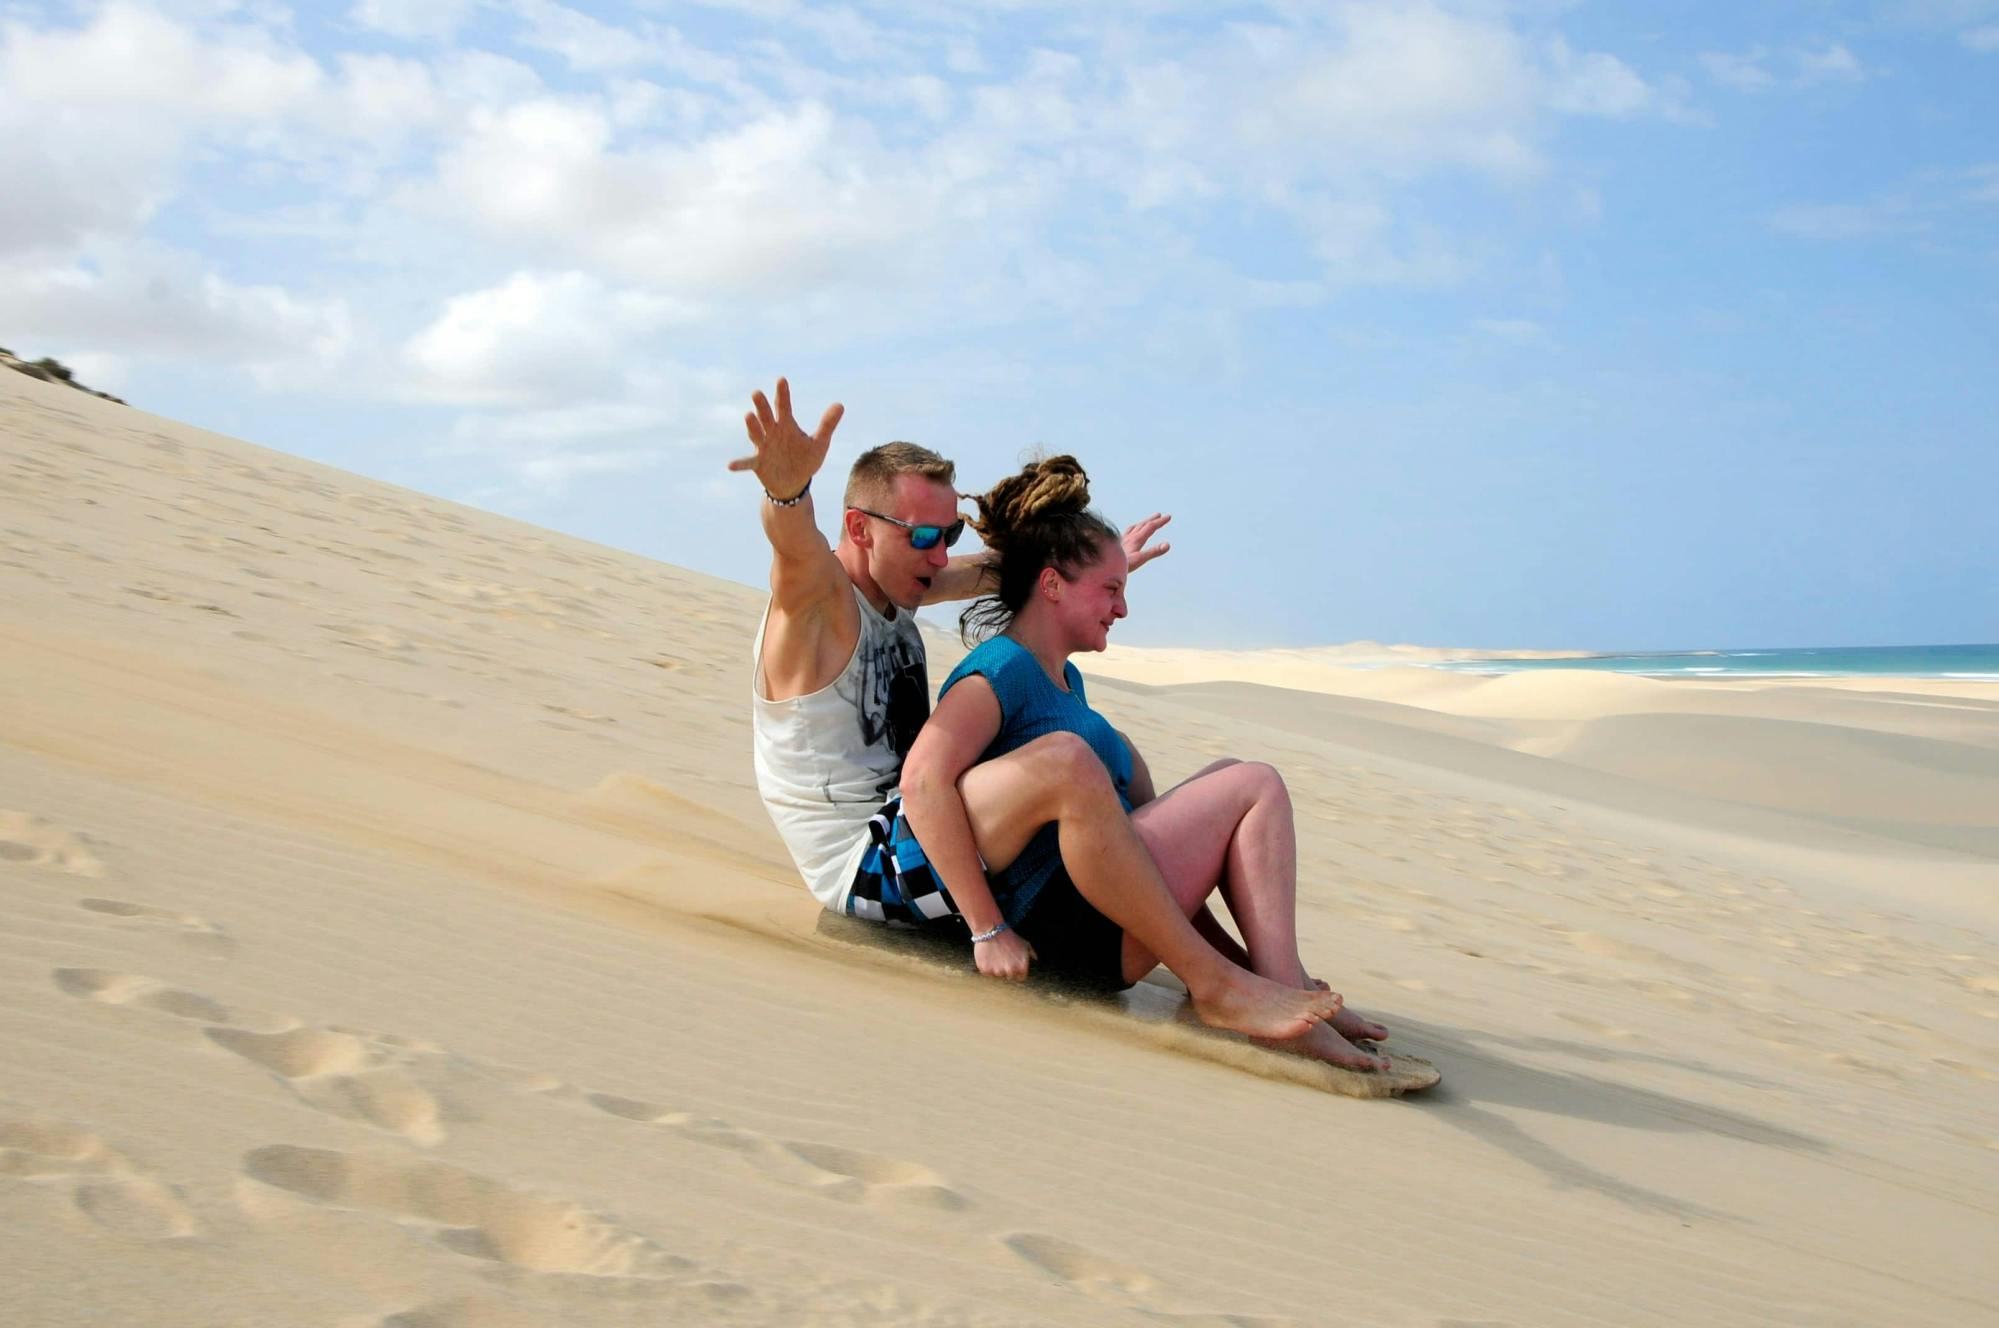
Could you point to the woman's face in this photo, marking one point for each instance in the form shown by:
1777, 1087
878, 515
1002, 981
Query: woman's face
1093, 599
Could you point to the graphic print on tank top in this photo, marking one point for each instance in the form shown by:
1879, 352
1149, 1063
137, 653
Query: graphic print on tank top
894, 698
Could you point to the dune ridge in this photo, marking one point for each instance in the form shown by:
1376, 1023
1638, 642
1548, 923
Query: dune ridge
390, 934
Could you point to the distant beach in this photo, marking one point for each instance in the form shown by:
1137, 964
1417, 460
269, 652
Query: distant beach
1977, 662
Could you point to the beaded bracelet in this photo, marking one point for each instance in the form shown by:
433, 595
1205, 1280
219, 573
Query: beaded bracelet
988, 935
792, 501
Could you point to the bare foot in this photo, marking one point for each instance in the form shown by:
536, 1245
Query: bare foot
1321, 1043
1246, 1003
1353, 1025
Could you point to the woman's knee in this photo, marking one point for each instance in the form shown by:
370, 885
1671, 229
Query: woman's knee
1058, 753
1265, 780
1068, 766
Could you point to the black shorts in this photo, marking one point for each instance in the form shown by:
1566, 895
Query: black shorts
1072, 941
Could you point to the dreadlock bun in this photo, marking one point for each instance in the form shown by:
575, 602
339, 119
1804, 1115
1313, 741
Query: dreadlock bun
1049, 486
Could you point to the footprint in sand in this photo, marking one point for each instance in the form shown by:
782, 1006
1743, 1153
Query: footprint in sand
197, 932
461, 1312
349, 1073
345, 1074
1084, 1271
826, 1169
1091, 1274
102, 1183
37, 843
465, 1212
141, 992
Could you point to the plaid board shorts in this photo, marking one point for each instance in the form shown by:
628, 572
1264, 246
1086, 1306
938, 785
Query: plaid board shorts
895, 883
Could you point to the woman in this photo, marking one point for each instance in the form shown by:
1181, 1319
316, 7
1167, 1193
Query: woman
1061, 576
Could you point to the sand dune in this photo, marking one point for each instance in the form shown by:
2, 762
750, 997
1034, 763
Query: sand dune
390, 935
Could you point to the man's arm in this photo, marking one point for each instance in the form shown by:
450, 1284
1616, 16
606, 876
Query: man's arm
970, 575
965, 577
813, 622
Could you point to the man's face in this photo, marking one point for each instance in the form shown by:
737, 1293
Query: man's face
904, 573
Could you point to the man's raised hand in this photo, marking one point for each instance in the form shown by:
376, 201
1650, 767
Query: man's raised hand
1136, 553
786, 457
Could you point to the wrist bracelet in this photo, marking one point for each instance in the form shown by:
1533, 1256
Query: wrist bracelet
988, 935
792, 501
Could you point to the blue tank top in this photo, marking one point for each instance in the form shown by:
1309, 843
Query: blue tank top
1031, 706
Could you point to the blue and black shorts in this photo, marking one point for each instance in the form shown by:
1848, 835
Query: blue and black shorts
895, 882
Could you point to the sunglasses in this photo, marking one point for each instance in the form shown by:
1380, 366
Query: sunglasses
922, 537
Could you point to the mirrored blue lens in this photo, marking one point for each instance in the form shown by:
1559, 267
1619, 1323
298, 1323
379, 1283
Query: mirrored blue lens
927, 537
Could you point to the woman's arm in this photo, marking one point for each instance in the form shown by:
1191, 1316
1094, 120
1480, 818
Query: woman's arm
948, 745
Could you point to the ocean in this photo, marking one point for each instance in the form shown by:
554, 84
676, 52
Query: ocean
1980, 662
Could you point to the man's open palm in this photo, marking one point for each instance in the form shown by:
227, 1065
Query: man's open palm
786, 457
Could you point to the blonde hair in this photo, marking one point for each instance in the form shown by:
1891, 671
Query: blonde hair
871, 482
1040, 517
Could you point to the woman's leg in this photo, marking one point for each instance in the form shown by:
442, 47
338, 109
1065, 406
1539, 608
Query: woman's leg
1058, 778
1231, 827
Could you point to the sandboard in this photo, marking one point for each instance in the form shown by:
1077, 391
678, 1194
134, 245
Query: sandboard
1159, 1005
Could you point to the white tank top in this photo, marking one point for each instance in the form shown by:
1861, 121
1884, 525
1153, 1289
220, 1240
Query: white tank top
826, 761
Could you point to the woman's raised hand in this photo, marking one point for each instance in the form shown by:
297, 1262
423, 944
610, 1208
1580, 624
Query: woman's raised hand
786, 457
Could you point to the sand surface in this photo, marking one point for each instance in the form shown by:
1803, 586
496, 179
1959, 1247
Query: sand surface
390, 934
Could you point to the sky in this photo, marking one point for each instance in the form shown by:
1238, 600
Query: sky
1535, 324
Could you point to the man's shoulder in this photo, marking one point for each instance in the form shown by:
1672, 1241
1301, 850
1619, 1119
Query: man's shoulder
805, 643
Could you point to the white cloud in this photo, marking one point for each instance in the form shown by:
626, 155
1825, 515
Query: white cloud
536, 338
1829, 63
1761, 69
1744, 72
663, 413
585, 42
382, 97
413, 20
95, 119
556, 470
557, 425
145, 301
58, 195
133, 57
1399, 90
793, 198
1594, 83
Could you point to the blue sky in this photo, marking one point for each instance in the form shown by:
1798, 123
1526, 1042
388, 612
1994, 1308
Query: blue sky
1532, 324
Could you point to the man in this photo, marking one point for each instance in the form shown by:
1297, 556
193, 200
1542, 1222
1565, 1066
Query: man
840, 688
